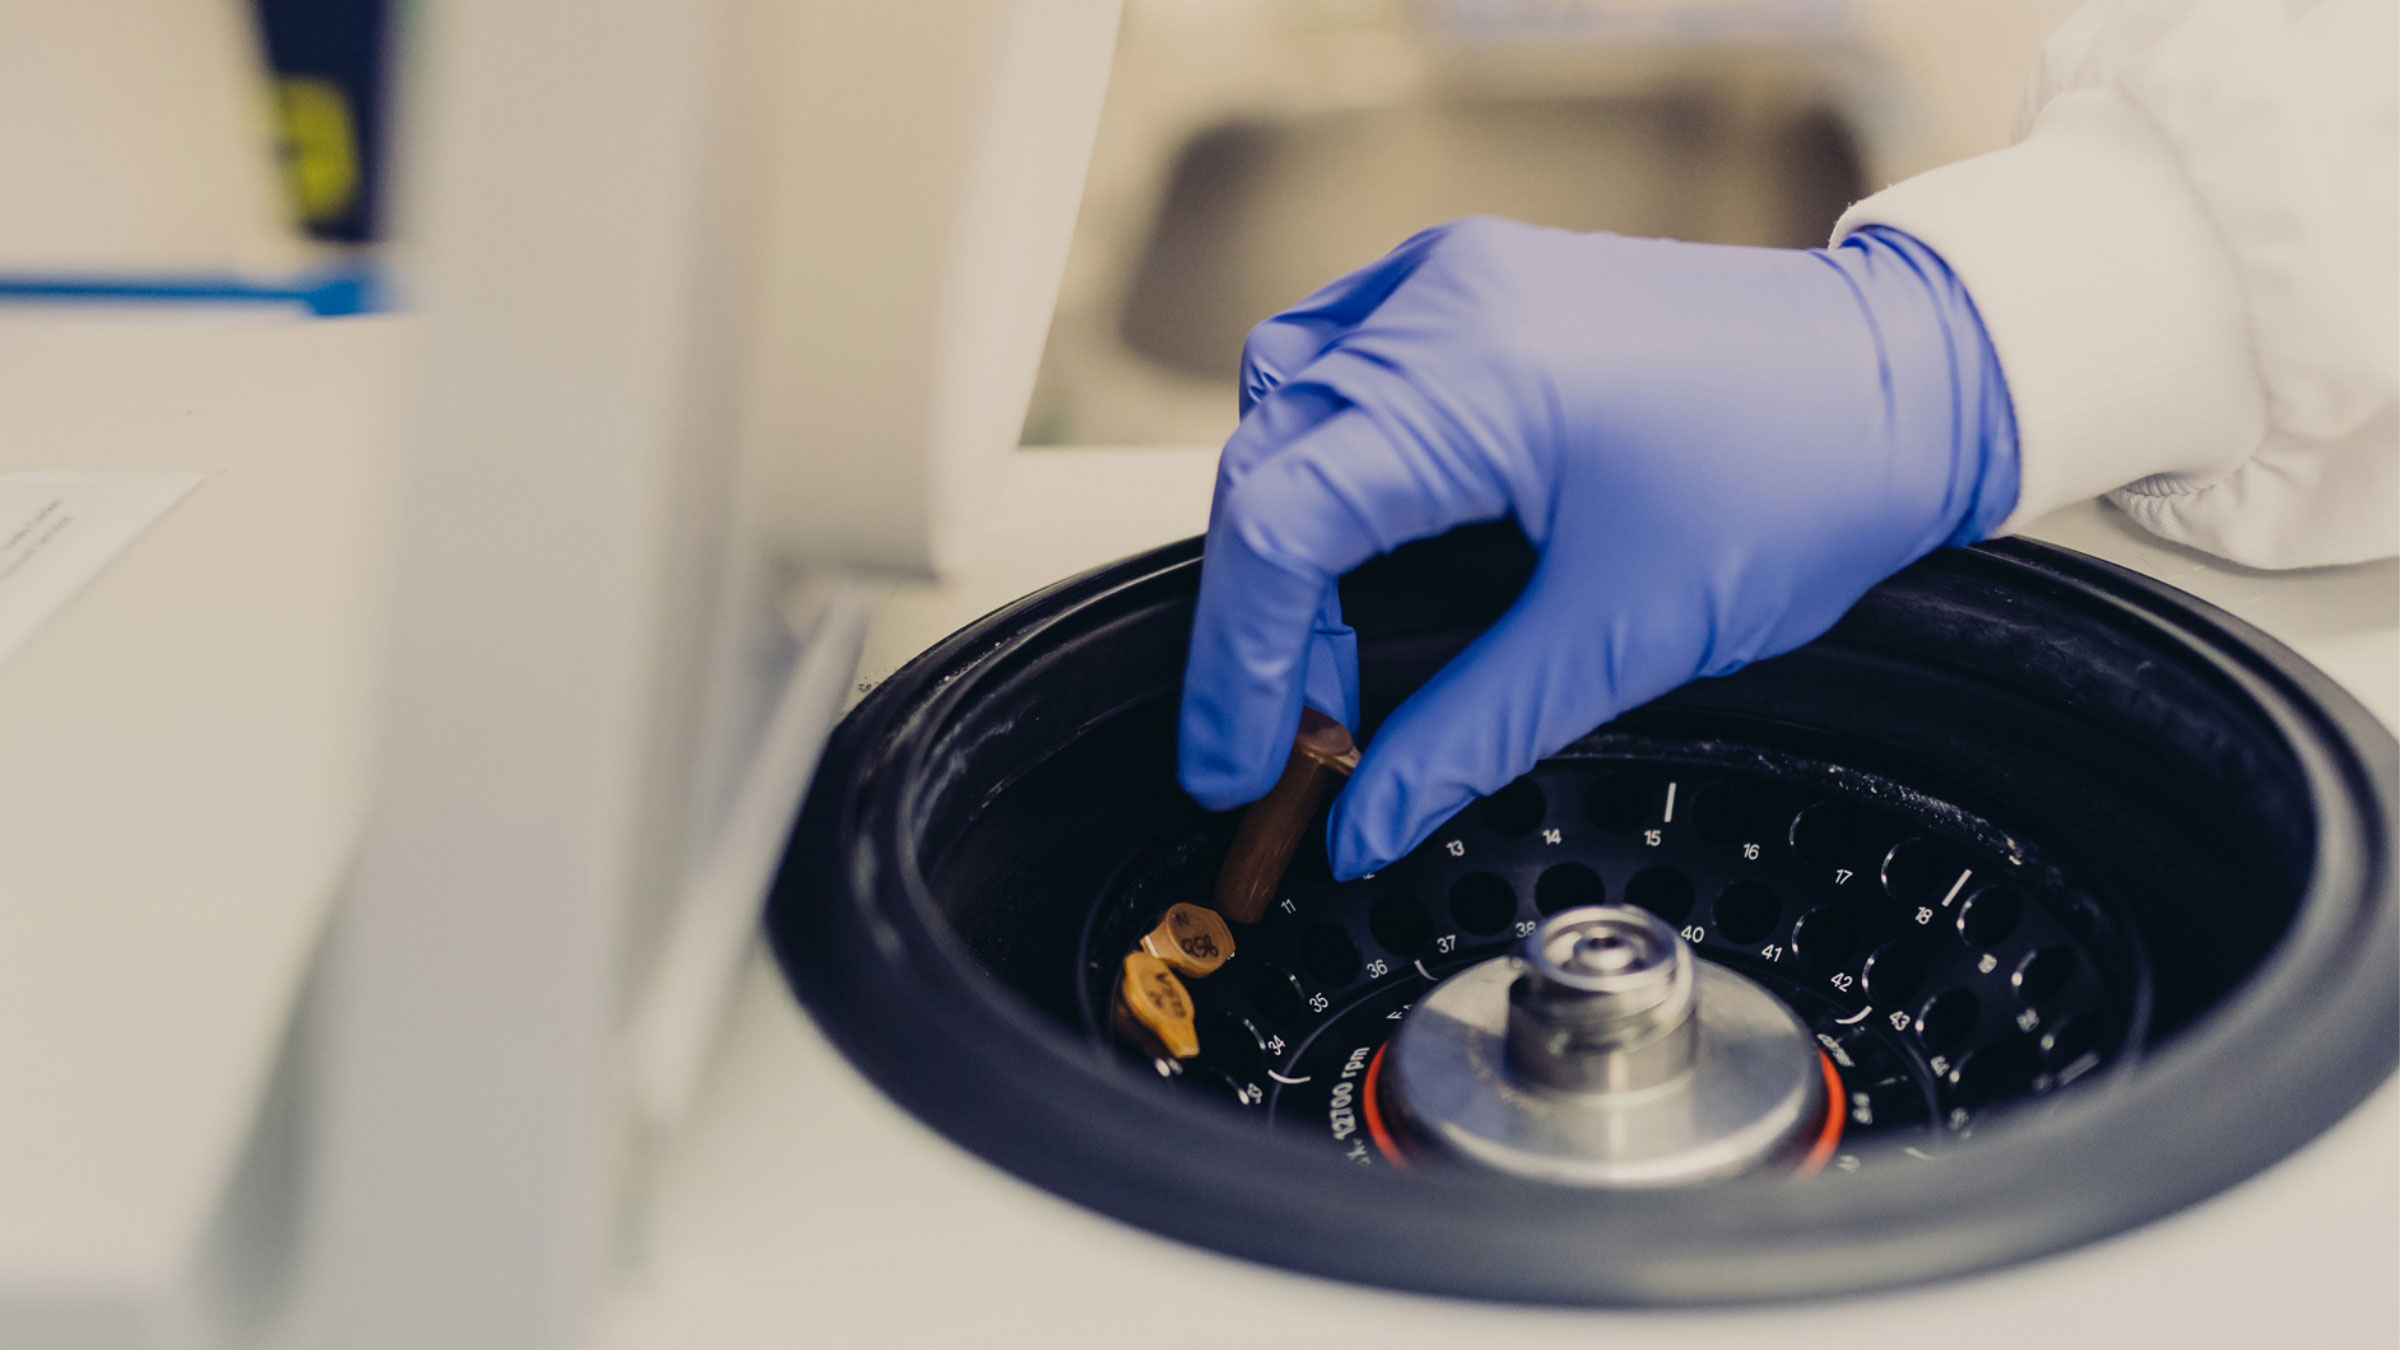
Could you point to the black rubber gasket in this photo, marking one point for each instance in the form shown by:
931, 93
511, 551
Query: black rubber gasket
2310, 1032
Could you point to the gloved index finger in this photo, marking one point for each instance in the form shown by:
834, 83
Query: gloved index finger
1279, 420
1290, 340
1252, 635
1277, 543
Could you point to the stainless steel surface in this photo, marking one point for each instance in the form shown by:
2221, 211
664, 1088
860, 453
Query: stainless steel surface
1605, 1003
1605, 1054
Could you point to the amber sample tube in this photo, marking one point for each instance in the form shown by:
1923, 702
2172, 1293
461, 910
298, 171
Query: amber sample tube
1155, 1010
1270, 830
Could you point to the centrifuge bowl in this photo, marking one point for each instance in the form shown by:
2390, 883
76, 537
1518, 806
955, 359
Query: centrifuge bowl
2218, 806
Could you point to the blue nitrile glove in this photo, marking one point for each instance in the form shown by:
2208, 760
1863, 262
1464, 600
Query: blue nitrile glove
1716, 450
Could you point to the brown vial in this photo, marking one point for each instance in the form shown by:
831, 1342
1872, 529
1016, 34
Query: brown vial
1322, 755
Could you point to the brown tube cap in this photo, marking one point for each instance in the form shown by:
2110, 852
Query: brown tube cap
1191, 939
1158, 1005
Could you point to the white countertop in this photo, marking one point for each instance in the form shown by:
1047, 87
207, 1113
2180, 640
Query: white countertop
183, 750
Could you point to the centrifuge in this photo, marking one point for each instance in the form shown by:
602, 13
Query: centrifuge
2035, 926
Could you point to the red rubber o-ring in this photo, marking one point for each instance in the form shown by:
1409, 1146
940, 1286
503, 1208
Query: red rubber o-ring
1372, 1107
1829, 1135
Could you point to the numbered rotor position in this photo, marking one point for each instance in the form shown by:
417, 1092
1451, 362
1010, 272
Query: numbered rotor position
1945, 969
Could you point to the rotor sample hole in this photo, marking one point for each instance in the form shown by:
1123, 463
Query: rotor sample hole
1747, 911
1274, 996
1482, 904
1723, 813
1918, 871
1400, 925
1947, 1019
1619, 803
1663, 891
2070, 1040
1826, 936
1989, 917
1235, 1046
1515, 810
1825, 833
1328, 955
2041, 975
1895, 972
1986, 1075
1566, 886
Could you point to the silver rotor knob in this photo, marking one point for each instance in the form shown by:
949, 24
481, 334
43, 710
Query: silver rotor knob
1605, 1053
1605, 1004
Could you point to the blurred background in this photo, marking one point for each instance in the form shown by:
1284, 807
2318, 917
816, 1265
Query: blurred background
1248, 151
1251, 150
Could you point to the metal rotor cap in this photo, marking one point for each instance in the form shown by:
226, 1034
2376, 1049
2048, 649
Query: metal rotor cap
1605, 1053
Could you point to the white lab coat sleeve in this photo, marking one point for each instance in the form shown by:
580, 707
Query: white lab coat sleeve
2186, 267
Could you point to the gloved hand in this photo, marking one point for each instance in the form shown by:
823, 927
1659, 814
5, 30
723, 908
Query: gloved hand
1716, 450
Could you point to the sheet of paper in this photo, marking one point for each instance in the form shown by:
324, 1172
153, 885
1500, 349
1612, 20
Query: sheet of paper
58, 530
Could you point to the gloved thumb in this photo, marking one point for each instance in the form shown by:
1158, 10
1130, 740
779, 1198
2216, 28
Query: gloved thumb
1331, 683
1530, 684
